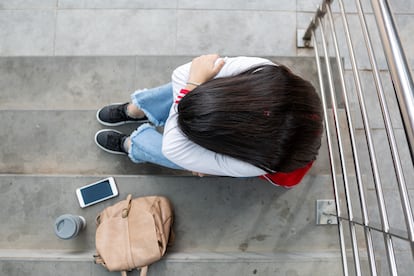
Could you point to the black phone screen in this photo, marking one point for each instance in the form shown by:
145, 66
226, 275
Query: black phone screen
96, 192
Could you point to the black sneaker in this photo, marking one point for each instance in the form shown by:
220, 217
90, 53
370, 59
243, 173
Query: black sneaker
116, 115
111, 141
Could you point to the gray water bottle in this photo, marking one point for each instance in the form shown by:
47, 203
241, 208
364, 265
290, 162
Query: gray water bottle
68, 226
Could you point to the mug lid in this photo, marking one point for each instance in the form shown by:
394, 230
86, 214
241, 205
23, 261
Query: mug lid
66, 227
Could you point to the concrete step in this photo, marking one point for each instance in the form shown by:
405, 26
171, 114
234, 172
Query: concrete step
211, 214
223, 226
47, 263
78, 83
61, 142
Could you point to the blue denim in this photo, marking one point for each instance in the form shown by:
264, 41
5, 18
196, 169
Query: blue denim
146, 141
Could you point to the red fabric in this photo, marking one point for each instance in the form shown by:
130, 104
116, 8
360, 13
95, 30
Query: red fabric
289, 179
181, 95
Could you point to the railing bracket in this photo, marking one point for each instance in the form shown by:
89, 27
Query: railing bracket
303, 43
326, 212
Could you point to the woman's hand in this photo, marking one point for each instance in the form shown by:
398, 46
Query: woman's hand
204, 68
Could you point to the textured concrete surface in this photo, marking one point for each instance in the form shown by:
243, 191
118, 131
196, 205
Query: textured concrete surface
184, 264
61, 142
217, 214
222, 224
88, 83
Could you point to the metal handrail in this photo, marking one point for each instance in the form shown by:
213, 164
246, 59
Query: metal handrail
388, 125
397, 63
404, 90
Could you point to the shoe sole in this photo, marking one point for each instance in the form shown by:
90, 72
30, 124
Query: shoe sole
105, 149
119, 123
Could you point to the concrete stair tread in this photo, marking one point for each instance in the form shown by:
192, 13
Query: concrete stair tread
210, 263
66, 83
61, 142
216, 214
87, 256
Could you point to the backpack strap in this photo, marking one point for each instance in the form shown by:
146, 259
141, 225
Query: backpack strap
125, 211
144, 271
171, 239
98, 259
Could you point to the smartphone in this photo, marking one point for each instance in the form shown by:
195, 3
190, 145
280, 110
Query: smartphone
96, 192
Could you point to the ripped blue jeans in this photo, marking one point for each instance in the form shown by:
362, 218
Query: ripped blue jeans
146, 141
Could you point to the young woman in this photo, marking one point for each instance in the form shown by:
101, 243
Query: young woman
239, 117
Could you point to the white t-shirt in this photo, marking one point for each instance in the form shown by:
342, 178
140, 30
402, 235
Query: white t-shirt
185, 153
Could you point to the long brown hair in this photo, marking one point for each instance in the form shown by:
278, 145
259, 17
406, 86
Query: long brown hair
266, 116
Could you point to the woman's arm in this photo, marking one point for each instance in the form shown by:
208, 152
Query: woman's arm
232, 66
193, 157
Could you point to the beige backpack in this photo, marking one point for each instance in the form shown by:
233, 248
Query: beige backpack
134, 233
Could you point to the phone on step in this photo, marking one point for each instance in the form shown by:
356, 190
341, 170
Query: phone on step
96, 192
